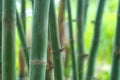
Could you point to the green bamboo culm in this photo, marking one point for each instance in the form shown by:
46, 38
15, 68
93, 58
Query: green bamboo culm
8, 39
55, 42
80, 36
116, 53
38, 52
0, 39
23, 13
74, 65
23, 18
95, 42
86, 10
21, 34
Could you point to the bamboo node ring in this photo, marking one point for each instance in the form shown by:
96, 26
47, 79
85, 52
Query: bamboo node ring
37, 62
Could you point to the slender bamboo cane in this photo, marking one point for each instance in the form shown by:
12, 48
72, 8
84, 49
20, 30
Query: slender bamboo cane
8, 39
58, 71
80, 41
38, 56
116, 53
86, 10
22, 39
21, 61
23, 13
95, 42
0, 39
74, 66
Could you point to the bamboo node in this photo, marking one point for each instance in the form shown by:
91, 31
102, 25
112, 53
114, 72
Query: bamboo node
83, 56
38, 62
95, 22
71, 39
117, 51
49, 67
75, 20
25, 48
60, 50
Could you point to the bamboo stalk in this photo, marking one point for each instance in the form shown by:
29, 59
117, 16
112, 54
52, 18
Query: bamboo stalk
116, 52
0, 39
80, 36
22, 39
8, 39
23, 14
74, 65
95, 42
38, 52
21, 61
49, 70
58, 71
86, 10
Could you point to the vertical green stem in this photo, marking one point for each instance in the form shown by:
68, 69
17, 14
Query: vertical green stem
38, 52
95, 42
116, 53
23, 18
74, 66
23, 13
8, 40
0, 39
22, 39
80, 36
85, 11
58, 71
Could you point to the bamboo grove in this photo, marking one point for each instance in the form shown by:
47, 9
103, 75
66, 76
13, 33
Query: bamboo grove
59, 39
